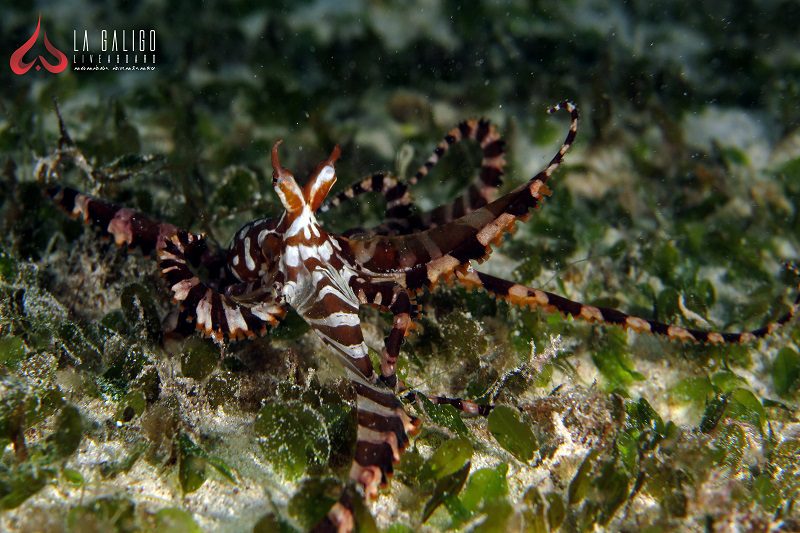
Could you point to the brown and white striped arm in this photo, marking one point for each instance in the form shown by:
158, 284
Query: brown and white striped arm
383, 433
489, 179
390, 298
468, 407
209, 311
340, 518
213, 313
418, 261
332, 312
383, 425
400, 219
383, 183
126, 226
535, 298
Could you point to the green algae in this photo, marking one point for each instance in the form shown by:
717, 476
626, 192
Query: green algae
293, 437
312, 500
448, 459
199, 359
175, 520
444, 415
193, 462
786, 372
103, 514
512, 433
612, 358
485, 487
445, 492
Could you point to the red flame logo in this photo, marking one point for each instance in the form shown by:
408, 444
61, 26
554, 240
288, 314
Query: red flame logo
20, 67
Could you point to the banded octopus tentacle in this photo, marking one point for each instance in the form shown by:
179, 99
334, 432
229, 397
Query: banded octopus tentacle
490, 177
246, 253
383, 425
467, 407
382, 436
331, 309
535, 298
383, 433
419, 260
126, 226
340, 517
379, 182
400, 219
213, 313
388, 297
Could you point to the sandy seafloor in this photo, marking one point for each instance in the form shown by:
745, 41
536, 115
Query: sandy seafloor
679, 201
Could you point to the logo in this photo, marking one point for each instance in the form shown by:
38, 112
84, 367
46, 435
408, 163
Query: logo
112, 49
20, 67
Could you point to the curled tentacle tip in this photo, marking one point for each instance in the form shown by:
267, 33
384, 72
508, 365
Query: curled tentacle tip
569, 105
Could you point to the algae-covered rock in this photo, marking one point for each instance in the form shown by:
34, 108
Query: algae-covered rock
293, 437
512, 433
200, 357
103, 514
